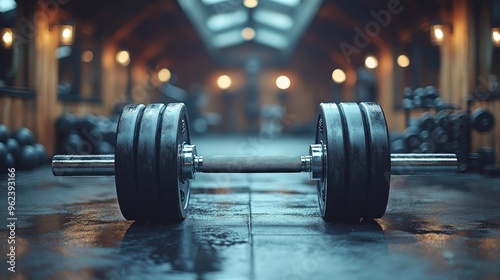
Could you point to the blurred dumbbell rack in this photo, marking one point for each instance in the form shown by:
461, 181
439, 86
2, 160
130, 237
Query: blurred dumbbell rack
445, 128
484, 98
419, 99
442, 127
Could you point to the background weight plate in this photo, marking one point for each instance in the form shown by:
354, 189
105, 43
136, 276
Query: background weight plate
125, 161
379, 159
174, 193
332, 187
147, 167
357, 160
482, 120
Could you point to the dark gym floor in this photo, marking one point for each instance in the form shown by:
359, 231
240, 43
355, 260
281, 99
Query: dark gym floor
256, 226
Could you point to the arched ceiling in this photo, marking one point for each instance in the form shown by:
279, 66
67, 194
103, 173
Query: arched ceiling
164, 30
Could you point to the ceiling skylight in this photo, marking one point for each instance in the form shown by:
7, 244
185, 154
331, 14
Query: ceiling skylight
290, 3
222, 21
227, 39
274, 19
271, 38
7, 5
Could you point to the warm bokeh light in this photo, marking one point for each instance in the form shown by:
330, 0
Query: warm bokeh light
495, 36
164, 75
403, 61
7, 37
338, 76
123, 58
87, 56
224, 82
250, 3
371, 62
67, 34
283, 82
438, 34
248, 33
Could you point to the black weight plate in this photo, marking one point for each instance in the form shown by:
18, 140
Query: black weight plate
427, 147
174, 193
412, 137
332, 187
482, 120
125, 161
398, 146
427, 121
357, 160
148, 153
379, 159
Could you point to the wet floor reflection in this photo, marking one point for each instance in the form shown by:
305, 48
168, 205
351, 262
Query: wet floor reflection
166, 248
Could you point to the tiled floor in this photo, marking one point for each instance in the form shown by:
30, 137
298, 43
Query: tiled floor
254, 226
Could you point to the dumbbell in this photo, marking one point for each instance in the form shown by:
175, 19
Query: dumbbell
427, 147
443, 119
155, 162
431, 92
4, 133
65, 124
408, 93
24, 136
412, 138
427, 121
418, 97
28, 158
482, 120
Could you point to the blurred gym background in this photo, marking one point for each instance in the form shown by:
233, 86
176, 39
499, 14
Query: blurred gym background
67, 68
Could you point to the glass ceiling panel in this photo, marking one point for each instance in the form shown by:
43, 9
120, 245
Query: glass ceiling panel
7, 5
226, 20
270, 38
227, 39
290, 3
212, 2
274, 19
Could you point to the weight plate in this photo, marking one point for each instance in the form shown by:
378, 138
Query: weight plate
379, 159
439, 135
148, 152
427, 147
332, 187
357, 160
125, 161
427, 121
412, 137
174, 193
443, 119
488, 154
398, 146
482, 120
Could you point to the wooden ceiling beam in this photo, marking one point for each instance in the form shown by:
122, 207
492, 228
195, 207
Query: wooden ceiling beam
151, 50
156, 7
333, 13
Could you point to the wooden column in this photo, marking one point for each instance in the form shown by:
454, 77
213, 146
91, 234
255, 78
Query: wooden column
45, 82
457, 74
113, 78
385, 80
